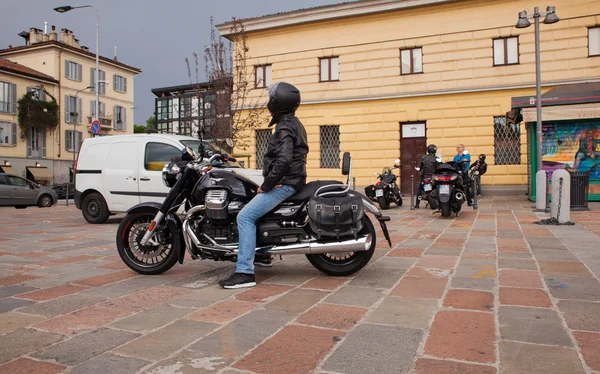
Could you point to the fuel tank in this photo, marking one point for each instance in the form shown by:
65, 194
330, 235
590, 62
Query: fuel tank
240, 188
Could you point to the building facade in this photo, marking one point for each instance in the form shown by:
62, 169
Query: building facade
72, 66
394, 76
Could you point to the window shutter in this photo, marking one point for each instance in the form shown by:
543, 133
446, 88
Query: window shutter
42, 95
102, 110
102, 86
67, 141
92, 77
43, 143
79, 140
124, 119
29, 142
124, 84
13, 100
79, 75
115, 109
13, 130
67, 69
29, 89
67, 109
115, 82
92, 108
79, 109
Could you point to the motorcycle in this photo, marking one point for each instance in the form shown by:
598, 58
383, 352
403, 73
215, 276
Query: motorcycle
386, 190
427, 189
448, 191
325, 220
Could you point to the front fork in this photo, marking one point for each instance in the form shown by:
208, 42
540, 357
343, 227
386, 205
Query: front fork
153, 225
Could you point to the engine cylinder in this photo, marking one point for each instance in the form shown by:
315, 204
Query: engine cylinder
216, 202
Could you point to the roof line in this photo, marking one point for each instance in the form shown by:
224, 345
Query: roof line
14, 68
8, 51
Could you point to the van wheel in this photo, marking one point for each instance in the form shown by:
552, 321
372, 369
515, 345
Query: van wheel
94, 208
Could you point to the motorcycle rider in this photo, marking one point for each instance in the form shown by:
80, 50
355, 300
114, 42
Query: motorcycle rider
481, 166
429, 164
284, 171
462, 157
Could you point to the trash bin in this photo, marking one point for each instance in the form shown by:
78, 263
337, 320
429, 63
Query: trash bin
580, 185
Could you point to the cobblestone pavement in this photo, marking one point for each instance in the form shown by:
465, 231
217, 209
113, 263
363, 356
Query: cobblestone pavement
488, 292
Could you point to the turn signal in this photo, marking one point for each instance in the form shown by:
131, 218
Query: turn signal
152, 226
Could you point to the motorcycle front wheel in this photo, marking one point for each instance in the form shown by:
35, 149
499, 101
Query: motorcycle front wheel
345, 263
158, 255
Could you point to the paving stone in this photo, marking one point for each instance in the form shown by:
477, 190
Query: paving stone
262, 293
110, 363
420, 287
28, 366
581, 315
443, 251
377, 278
554, 255
14, 320
241, 335
522, 358
324, 283
375, 349
17, 279
563, 268
468, 336
7, 304
52, 292
406, 252
485, 284
355, 296
589, 344
394, 262
102, 280
332, 316
85, 319
520, 278
295, 349
295, 276
524, 297
62, 305
152, 318
429, 272
190, 362
296, 301
203, 279
204, 296
476, 270
532, 325
222, 312
8, 291
469, 299
405, 312
23, 341
145, 299
511, 263
126, 287
440, 262
569, 287
428, 366
516, 255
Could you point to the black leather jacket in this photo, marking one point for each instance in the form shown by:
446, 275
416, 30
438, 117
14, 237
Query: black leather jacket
285, 160
429, 164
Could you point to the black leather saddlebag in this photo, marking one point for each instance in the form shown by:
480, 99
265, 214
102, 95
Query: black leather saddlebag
336, 216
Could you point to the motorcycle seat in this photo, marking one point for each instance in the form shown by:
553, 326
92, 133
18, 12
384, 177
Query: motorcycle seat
310, 188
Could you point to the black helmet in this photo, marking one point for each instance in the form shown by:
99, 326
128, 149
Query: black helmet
482, 157
283, 97
431, 148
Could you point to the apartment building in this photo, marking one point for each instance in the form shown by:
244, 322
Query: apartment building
382, 79
72, 67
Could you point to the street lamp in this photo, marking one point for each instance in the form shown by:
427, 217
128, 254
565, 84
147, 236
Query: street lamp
66, 8
550, 17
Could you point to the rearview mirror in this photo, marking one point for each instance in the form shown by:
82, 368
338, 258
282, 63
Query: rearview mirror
188, 154
346, 164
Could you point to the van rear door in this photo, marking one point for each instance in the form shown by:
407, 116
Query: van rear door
156, 154
121, 175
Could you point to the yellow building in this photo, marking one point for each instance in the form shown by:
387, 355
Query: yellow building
72, 68
382, 79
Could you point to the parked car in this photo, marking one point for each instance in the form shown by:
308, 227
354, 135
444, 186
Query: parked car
115, 173
61, 190
21, 193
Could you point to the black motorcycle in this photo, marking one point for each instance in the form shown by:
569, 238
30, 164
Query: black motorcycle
325, 220
427, 190
448, 193
386, 190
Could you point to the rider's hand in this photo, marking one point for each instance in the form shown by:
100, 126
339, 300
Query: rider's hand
278, 186
259, 190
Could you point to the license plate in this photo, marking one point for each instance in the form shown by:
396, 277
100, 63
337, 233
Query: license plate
378, 193
445, 189
427, 187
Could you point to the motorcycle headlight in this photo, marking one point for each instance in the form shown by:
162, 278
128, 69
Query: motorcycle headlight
170, 174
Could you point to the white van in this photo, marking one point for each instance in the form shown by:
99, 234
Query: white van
115, 173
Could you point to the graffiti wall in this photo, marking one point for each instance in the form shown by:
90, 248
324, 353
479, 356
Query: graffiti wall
574, 146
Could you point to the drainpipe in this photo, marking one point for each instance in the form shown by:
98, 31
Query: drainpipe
60, 101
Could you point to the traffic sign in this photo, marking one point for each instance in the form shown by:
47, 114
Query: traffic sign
95, 127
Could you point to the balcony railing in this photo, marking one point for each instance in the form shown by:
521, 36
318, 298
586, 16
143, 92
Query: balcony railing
104, 122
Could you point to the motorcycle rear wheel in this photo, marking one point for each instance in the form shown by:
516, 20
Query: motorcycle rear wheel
446, 210
383, 202
150, 259
345, 263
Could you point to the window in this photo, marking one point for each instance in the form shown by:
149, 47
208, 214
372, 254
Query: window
329, 69
72, 70
119, 83
73, 109
120, 118
506, 51
262, 143
411, 61
72, 139
17, 181
3, 180
330, 147
159, 154
185, 107
164, 109
8, 133
185, 128
101, 107
101, 78
8, 97
507, 142
594, 41
36, 143
264, 75
38, 94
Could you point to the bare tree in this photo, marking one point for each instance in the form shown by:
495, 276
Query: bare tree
236, 112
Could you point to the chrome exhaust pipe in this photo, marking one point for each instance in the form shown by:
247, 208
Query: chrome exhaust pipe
459, 196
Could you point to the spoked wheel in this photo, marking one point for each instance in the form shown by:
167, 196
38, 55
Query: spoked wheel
158, 255
344, 263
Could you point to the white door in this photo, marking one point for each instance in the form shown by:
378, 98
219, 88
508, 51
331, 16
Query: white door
155, 156
121, 175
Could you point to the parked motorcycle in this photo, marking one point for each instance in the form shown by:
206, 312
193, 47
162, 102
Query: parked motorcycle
427, 189
325, 220
448, 191
386, 190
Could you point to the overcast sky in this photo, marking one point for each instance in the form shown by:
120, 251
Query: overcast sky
155, 36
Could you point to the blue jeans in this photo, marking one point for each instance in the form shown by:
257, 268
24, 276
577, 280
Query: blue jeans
262, 204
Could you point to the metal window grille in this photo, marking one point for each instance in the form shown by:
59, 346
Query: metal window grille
262, 143
330, 147
507, 142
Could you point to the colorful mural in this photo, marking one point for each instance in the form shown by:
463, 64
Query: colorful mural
574, 146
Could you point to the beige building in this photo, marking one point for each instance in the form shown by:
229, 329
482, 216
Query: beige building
72, 66
382, 79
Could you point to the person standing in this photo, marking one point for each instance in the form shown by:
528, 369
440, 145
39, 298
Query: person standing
462, 157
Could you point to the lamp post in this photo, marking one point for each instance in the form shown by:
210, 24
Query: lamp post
549, 18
